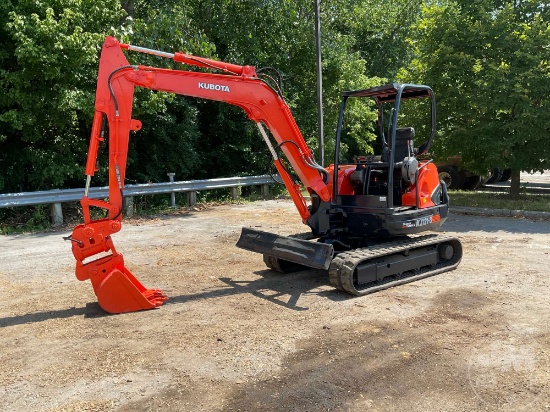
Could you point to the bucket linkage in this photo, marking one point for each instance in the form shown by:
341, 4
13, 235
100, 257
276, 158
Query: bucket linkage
116, 288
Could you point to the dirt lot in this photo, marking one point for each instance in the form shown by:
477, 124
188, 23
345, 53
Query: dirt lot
235, 336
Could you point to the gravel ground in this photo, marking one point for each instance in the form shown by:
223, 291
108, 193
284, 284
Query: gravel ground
235, 336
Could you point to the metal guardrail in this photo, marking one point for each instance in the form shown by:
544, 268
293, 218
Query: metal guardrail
73, 195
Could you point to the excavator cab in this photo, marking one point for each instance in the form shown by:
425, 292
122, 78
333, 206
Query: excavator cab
367, 235
397, 192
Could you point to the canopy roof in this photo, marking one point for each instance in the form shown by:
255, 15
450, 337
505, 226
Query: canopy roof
388, 92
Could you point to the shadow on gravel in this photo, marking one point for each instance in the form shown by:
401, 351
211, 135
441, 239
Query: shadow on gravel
471, 223
374, 364
91, 310
370, 363
280, 289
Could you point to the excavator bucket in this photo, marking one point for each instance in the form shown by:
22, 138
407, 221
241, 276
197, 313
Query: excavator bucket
122, 292
116, 288
303, 252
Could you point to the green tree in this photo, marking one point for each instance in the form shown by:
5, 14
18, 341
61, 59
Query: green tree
281, 35
381, 30
170, 138
48, 61
489, 64
48, 69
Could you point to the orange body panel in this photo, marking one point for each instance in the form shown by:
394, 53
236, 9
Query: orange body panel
428, 182
345, 186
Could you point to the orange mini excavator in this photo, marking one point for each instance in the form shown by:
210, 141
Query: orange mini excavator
361, 213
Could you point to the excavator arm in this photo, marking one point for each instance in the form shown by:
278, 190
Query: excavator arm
116, 287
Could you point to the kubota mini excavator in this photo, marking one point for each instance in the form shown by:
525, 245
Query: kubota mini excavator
360, 213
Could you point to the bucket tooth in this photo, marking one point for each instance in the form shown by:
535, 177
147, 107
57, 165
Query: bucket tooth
303, 252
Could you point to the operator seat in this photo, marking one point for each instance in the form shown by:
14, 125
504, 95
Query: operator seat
403, 140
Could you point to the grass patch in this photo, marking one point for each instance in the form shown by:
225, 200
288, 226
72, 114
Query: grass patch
488, 200
24, 219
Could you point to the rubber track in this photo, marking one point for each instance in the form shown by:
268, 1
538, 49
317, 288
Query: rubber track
342, 268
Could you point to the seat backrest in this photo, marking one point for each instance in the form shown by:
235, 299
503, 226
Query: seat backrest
403, 140
404, 133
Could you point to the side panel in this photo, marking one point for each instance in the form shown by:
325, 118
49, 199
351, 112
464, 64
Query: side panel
428, 184
367, 216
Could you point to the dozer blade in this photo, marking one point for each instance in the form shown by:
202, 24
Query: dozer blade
117, 289
303, 252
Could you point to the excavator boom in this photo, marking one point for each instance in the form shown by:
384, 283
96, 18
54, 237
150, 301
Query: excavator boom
115, 286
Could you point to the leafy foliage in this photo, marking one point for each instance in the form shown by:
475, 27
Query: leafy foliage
489, 64
282, 36
48, 61
487, 61
380, 32
48, 66
168, 142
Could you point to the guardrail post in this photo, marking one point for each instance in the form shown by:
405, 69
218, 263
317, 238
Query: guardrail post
172, 195
235, 192
191, 198
129, 206
265, 190
57, 214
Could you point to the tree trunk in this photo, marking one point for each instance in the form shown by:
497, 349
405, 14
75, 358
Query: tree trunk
515, 184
